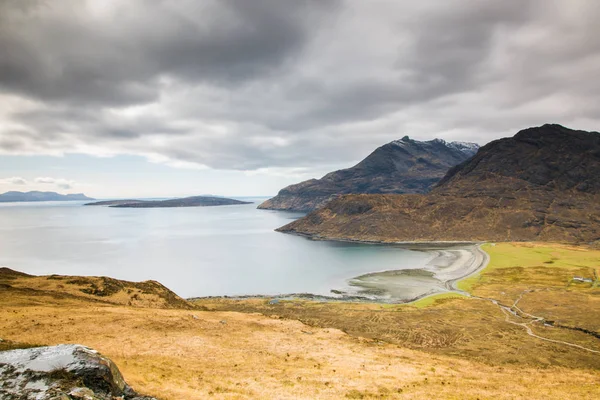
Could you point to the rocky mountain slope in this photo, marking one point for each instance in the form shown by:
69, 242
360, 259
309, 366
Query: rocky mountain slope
540, 184
401, 166
40, 196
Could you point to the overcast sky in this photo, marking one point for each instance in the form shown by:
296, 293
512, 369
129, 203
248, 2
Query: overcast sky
242, 97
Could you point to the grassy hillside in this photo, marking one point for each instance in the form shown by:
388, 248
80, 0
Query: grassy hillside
101, 289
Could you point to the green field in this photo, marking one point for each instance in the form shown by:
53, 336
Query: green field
536, 276
563, 262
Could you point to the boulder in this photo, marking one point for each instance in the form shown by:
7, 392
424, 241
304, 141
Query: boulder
61, 372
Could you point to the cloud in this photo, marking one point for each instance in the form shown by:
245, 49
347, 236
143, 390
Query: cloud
15, 180
60, 183
288, 85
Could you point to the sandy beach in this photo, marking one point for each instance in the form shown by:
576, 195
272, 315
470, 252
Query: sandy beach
449, 263
447, 266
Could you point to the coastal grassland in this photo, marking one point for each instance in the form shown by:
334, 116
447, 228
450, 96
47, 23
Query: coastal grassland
191, 354
563, 261
541, 279
531, 278
435, 299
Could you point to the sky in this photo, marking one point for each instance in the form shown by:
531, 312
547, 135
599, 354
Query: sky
139, 98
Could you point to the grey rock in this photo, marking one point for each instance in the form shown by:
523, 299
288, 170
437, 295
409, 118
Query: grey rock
61, 372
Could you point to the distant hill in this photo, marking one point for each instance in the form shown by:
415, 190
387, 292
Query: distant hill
541, 184
401, 166
113, 203
94, 288
196, 201
40, 196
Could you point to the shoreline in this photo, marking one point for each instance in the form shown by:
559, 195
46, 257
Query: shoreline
450, 263
426, 243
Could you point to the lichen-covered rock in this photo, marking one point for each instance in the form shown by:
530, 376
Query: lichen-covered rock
61, 372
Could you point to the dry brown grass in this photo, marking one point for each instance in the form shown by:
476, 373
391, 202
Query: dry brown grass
466, 328
150, 294
171, 354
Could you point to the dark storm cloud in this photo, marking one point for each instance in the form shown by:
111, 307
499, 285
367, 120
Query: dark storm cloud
235, 84
68, 52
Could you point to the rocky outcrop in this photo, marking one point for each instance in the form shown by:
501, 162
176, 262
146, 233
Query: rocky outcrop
61, 372
402, 166
540, 184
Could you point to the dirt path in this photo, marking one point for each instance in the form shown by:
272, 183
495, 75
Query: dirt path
527, 327
483, 259
508, 311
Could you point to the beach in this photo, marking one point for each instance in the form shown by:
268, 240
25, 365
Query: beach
447, 266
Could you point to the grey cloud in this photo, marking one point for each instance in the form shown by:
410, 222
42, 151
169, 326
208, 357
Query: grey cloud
272, 84
15, 180
68, 52
60, 183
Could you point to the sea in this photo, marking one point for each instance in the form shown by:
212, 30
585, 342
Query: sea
195, 251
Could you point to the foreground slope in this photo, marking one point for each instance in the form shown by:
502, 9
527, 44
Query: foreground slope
540, 184
401, 166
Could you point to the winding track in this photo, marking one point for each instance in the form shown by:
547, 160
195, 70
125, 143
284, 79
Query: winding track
508, 311
527, 326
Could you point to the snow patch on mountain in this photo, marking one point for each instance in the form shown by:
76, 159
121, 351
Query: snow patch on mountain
464, 147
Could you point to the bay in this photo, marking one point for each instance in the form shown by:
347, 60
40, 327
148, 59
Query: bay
197, 251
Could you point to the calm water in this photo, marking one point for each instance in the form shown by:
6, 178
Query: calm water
228, 250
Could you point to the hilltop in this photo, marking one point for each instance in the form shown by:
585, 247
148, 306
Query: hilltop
401, 166
99, 289
540, 184
15, 196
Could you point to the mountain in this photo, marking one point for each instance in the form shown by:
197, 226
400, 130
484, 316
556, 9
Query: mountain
40, 196
401, 166
196, 201
541, 184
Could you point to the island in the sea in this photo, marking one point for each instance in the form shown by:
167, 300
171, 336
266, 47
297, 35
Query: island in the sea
15, 196
194, 201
